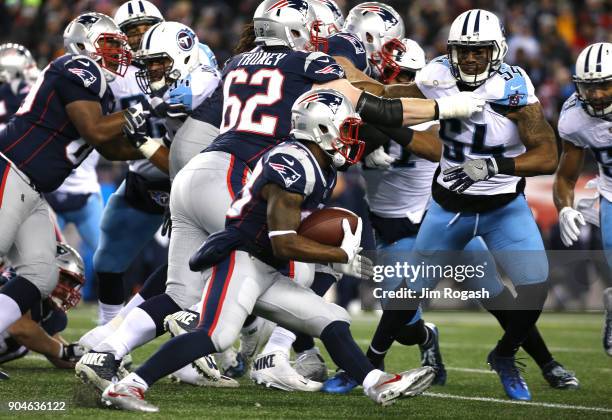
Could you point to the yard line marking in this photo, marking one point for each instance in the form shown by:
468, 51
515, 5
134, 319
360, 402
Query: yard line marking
469, 370
536, 404
455, 345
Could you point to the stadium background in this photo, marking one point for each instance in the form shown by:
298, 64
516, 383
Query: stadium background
544, 38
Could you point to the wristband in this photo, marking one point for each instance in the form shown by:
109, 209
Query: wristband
505, 166
149, 147
274, 233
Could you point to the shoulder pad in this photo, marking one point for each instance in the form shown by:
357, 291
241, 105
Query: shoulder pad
510, 86
320, 63
290, 167
85, 72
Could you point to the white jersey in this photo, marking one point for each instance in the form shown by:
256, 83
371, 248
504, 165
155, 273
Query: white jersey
404, 190
484, 134
585, 131
84, 178
127, 93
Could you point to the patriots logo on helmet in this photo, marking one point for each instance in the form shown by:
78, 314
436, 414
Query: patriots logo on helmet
334, 8
385, 14
86, 76
185, 39
332, 69
332, 101
289, 175
87, 20
299, 5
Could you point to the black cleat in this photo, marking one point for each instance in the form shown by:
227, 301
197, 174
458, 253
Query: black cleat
558, 377
431, 356
98, 369
3, 375
607, 331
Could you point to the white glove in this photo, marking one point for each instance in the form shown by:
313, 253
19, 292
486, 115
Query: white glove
350, 241
359, 266
379, 159
568, 224
462, 105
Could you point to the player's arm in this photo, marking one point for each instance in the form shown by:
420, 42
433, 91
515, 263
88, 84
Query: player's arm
284, 213
427, 144
359, 78
30, 334
570, 167
539, 139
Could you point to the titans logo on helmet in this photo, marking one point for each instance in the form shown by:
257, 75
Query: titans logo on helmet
185, 39
385, 14
332, 101
85, 75
299, 5
289, 175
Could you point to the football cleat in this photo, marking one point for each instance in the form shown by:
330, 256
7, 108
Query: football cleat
15, 354
274, 370
607, 331
558, 377
127, 397
96, 335
254, 337
125, 367
391, 387
340, 383
186, 321
4, 375
510, 376
98, 369
190, 375
311, 365
231, 363
431, 356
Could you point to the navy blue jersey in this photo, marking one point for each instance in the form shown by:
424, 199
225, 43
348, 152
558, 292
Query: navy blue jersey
259, 89
11, 96
211, 109
349, 46
292, 167
40, 139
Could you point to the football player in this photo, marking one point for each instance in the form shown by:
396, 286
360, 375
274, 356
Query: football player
18, 72
586, 123
38, 330
63, 118
292, 177
478, 188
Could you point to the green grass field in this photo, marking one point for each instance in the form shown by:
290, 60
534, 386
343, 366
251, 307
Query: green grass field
471, 391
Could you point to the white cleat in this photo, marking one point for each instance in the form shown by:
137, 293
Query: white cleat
391, 387
311, 365
127, 397
254, 338
190, 375
274, 370
95, 336
183, 322
125, 367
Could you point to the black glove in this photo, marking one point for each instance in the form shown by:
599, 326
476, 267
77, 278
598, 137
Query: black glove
470, 172
72, 352
166, 223
162, 109
135, 127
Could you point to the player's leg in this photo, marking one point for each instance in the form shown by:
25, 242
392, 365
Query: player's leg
514, 239
605, 222
27, 237
193, 137
87, 220
125, 230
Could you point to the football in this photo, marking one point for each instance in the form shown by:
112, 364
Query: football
325, 225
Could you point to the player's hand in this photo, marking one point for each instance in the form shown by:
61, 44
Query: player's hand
72, 352
359, 266
569, 219
461, 105
135, 127
350, 241
467, 174
379, 159
162, 109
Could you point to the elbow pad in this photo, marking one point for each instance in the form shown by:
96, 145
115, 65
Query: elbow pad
401, 135
380, 110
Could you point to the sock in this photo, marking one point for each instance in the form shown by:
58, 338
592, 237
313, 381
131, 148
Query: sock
18, 296
134, 302
389, 324
302, 343
158, 308
528, 307
343, 350
107, 312
416, 333
137, 329
155, 283
134, 380
322, 282
248, 322
110, 288
371, 378
280, 340
175, 354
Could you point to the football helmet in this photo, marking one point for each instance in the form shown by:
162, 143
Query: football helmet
17, 63
98, 37
67, 293
593, 78
170, 51
405, 57
285, 22
375, 24
329, 21
476, 28
134, 13
328, 118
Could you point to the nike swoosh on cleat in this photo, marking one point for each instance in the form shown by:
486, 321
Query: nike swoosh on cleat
395, 379
115, 395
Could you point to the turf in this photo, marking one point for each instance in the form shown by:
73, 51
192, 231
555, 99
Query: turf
466, 338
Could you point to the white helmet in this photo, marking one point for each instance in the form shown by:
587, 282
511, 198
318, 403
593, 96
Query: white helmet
594, 73
284, 22
136, 12
98, 37
476, 28
176, 43
16, 63
329, 16
375, 24
328, 118
405, 56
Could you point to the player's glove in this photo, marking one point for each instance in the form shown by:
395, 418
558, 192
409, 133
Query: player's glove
569, 219
72, 352
162, 109
379, 159
359, 266
135, 127
461, 105
467, 174
166, 227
